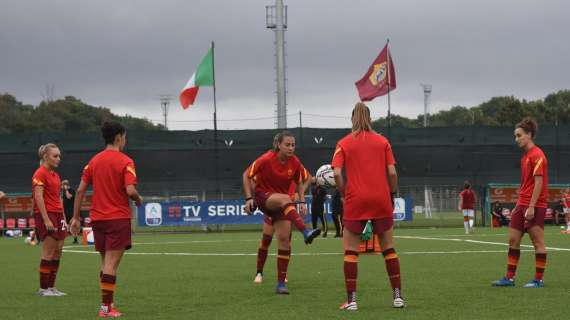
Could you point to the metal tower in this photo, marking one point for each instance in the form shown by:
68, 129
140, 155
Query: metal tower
164, 104
427, 95
276, 19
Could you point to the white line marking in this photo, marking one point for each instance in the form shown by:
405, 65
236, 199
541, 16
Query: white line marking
477, 241
221, 254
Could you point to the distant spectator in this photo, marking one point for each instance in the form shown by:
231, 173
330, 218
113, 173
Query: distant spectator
558, 213
498, 213
318, 205
337, 212
2, 195
68, 195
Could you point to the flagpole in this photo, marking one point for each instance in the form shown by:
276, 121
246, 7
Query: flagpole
388, 69
215, 125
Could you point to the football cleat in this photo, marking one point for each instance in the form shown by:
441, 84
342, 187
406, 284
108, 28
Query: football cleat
57, 292
310, 235
534, 284
398, 303
258, 278
281, 289
349, 306
46, 293
504, 282
109, 312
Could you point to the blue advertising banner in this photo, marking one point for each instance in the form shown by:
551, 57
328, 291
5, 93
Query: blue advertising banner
188, 213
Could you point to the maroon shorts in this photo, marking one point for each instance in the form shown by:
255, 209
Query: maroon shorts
112, 234
58, 221
260, 201
520, 223
379, 225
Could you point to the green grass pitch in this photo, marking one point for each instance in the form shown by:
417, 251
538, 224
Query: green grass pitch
445, 274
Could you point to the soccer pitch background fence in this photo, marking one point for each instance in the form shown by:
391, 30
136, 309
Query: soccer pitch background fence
186, 163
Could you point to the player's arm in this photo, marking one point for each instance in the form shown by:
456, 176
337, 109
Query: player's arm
393, 181
75, 222
248, 187
39, 198
301, 185
529, 214
134, 194
460, 205
339, 180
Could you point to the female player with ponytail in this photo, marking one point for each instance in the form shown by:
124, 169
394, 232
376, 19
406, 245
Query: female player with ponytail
266, 184
49, 216
369, 165
528, 215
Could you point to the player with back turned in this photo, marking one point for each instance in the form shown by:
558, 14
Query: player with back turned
367, 160
113, 177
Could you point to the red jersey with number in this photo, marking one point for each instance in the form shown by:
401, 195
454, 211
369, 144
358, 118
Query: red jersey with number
468, 199
533, 163
110, 172
51, 183
365, 158
272, 175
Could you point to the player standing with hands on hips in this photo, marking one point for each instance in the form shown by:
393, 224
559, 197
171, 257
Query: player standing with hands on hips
113, 176
528, 215
369, 165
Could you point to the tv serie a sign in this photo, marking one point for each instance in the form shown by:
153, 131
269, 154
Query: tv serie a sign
224, 212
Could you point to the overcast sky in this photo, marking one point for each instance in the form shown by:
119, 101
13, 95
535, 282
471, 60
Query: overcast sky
123, 54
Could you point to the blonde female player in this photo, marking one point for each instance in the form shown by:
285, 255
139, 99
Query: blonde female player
368, 162
49, 216
273, 173
528, 215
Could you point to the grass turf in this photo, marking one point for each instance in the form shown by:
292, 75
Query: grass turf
445, 274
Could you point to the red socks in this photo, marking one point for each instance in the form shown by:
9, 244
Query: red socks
262, 252
393, 269
540, 262
283, 257
53, 273
512, 262
107, 289
290, 211
350, 273
45, 273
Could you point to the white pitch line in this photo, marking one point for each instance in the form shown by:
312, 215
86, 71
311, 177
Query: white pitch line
221, 254
477, 241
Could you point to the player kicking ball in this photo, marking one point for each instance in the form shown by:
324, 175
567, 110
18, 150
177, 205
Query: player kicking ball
267, 181
113, 176
528, 215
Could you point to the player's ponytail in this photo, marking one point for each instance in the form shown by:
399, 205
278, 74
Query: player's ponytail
44, 150
279, 138
529, 126
361, 120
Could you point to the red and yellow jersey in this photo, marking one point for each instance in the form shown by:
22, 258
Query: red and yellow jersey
51, 183
533, 163
110, 172
467, 199
271, 175
365, 158
566, 200
293, 188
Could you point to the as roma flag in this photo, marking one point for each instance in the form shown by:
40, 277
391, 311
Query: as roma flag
379, 79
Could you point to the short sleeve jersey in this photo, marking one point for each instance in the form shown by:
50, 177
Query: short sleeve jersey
533, 163
51, 183
273, 176
365, 158
110, 172
468, 199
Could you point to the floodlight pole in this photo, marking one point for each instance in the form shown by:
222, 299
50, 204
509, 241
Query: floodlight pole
427, 95
165, 104
276, 19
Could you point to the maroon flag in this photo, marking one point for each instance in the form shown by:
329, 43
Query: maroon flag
379, 79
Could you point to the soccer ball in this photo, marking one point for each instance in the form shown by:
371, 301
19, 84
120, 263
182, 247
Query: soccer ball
325, 176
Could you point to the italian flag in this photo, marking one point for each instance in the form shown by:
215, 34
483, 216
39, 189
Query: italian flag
203, 77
